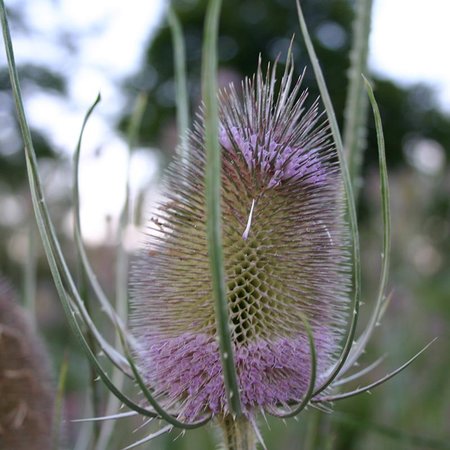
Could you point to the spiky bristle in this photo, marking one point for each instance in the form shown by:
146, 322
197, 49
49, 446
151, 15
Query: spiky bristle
285, 243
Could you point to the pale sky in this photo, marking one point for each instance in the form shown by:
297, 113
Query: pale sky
408, 43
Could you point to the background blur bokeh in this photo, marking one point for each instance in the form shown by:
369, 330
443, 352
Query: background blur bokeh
67, 53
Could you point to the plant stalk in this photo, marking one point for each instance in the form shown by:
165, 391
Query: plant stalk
213, 207
355, 114
238, 434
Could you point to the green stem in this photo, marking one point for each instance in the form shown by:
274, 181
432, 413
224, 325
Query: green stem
238, 434
312, 430
182, 97
213, 207
355, 113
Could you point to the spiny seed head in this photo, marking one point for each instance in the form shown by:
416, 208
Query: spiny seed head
285, 244
27, 394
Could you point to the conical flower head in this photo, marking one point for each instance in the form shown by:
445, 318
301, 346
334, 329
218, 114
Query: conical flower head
285, 243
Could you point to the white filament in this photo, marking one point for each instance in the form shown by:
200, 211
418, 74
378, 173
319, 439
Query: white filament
249, 222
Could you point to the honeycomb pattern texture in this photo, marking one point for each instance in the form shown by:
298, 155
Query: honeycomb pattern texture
285, 242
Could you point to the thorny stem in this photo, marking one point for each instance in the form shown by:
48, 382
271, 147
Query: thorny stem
238, 434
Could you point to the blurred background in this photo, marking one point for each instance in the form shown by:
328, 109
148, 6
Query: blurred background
67, 51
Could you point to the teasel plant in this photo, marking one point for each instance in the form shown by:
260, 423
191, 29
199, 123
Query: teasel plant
246, 298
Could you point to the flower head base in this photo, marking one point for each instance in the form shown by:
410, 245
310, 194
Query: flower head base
285, 244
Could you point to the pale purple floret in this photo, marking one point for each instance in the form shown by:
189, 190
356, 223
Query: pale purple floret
269, 373
278, 161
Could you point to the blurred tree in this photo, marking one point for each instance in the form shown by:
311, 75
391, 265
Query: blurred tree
251, 28
248, 29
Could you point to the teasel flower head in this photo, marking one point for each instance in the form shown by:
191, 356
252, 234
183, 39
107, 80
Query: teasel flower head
285, 244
